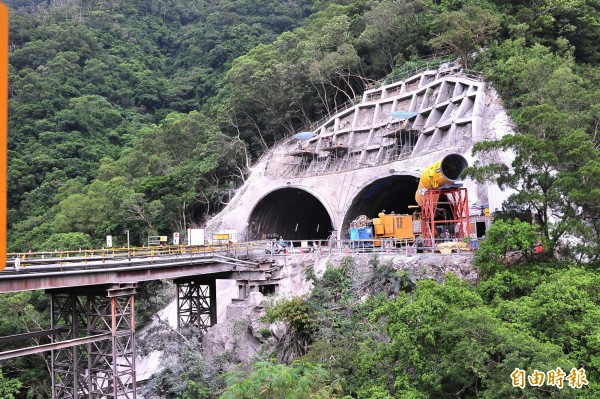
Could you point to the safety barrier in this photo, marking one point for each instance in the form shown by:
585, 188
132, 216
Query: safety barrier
241, 250
377, 245
85, 256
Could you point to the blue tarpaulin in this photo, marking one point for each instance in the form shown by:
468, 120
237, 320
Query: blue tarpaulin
304, 135
403, 114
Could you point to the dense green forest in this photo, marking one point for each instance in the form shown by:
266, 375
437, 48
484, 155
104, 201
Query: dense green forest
109, 128
145, 115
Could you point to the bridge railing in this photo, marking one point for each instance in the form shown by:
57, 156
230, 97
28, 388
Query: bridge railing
377, 245
103, 255
237, 250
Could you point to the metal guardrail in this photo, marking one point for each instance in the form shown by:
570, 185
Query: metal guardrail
236, 252
104, 255
376, 245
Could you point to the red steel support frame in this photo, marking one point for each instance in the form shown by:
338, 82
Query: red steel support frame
100, 368
68, 374
458, 200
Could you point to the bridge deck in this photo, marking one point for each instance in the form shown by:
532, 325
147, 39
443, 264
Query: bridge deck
77, 273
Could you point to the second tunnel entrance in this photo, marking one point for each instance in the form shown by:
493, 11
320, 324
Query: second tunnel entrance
390, 194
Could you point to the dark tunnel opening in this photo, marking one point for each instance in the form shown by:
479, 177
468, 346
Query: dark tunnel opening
290, 213
389, 194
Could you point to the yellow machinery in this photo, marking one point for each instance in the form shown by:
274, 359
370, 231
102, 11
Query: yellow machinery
395, 226
443, 172
440, 179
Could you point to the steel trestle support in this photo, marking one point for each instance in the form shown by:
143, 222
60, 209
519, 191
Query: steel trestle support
458, 201
196, 303
102, 368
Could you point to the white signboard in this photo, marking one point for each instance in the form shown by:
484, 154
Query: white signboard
108, 241
175, 238
195, 236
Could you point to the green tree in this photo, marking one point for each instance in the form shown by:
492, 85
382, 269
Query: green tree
394, 32
548, 160
68, 242
9, 387
546, 22
502, 239
25, 312
185, 373
268, 380
301, 323
463, 31
443, 338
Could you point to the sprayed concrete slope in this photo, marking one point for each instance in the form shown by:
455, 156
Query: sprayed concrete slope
367, 158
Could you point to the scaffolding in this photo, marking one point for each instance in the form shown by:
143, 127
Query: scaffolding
305, 158
404, 138
336, 158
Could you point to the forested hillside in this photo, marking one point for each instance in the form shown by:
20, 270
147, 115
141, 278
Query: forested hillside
144, 115
91, 79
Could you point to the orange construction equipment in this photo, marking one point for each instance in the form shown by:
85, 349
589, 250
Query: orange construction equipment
458, 200
393, 226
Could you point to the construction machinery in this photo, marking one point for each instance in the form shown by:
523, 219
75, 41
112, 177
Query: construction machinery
396, 228
437, 194
438, 187
442, 174
361, 230
401, 227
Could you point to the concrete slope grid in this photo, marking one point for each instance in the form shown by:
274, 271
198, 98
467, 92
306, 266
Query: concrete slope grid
364, 159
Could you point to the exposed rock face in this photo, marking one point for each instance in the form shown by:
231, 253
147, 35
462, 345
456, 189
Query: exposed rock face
418, 266
239, 338
435, 267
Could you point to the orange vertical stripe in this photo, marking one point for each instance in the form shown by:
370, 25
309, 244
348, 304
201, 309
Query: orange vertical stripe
3, 127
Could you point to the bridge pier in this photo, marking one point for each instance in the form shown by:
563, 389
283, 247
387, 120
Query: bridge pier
99, 322
196, 302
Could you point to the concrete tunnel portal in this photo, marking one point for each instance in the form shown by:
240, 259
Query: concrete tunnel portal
291, 213
295, 214
390, 194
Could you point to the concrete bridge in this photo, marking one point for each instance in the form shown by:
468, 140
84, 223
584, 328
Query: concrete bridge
364, 159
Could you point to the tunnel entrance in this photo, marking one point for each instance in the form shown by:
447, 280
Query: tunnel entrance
291, 213
392, 194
